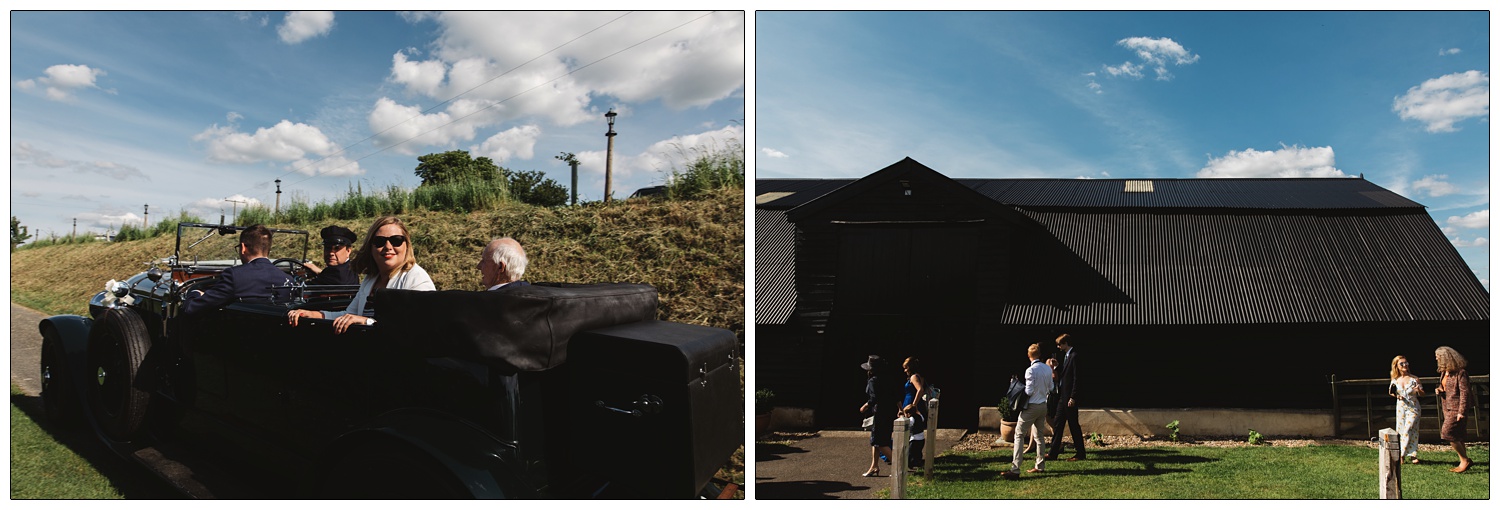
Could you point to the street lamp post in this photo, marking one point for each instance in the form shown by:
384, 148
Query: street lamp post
609, 156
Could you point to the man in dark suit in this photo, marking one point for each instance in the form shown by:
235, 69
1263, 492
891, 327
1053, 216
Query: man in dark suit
501, 264
1067, 405
251, 281
336, 243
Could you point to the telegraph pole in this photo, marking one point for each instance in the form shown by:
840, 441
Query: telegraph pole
609, 158
235, 210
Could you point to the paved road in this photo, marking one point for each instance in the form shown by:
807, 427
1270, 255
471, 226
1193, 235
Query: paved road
25, 349
827, 466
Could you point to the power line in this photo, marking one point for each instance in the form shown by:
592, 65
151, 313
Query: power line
518, 94
446, 101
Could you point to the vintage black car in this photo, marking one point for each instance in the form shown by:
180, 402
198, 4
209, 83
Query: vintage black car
543, 391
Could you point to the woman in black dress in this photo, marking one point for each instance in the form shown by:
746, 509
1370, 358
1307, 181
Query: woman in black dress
877, 390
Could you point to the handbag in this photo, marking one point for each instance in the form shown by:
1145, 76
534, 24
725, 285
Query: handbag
868, 423
1017, 395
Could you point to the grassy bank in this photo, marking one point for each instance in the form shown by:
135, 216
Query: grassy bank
692, 251
1311, 472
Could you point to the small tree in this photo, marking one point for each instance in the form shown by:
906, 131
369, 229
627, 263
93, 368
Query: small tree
532, 188
454, 166
18, 233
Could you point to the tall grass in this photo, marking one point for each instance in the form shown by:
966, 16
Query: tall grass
458, 197
709, 168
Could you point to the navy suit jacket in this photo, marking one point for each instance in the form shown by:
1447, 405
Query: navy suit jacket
1067, 377
246, 282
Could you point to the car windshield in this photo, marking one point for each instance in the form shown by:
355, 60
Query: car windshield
214, 245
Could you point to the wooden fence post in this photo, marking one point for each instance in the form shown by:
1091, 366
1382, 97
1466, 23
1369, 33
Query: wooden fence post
1390, 464
900, 444
930, 448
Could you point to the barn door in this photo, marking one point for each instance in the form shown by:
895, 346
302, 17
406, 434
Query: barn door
906, 290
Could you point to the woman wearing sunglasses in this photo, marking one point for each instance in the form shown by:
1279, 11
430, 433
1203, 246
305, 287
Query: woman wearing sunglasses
387, 262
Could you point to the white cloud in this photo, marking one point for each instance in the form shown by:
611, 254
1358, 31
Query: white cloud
1294, 161
296, 143
491, 58
1443, 101
1434, 186
1159, 53
104, 221
514, 142
772, 153
1478, 241
395, 123
1476, 219
303, 25
1128, 70
1449, 51
1094, 86
23, 153
62, 80
210, 208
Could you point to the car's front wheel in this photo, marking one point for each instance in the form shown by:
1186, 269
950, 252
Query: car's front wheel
116, 359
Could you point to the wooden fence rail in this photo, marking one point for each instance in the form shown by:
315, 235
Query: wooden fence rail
1361, 407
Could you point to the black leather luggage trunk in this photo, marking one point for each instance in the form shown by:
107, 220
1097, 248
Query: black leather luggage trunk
680, 409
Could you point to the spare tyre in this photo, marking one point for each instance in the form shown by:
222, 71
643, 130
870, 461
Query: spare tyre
116, 355
59, 398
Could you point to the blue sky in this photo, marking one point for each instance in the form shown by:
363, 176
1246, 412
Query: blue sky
111, 111
1400, 97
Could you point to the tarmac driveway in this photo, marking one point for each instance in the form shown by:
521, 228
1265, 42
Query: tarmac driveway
827, 466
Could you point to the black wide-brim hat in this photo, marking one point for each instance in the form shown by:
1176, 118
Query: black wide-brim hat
336, 235
874, 363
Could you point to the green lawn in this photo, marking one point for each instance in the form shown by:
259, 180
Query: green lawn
1313, 472
69, 465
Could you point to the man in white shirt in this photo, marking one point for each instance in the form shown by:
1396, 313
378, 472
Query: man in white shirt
502, 263
1038, 385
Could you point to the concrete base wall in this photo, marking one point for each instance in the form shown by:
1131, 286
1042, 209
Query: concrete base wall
1192, 422
792, 418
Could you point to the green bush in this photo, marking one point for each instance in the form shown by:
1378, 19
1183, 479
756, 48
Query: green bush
1255, 438
1175, 428
765, 400
710, 168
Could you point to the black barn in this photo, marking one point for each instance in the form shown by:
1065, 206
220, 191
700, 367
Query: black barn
1222, 293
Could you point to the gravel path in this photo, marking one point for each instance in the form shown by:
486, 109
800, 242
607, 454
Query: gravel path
986, 441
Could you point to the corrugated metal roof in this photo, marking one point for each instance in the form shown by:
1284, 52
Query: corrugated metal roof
1192, 193
1203, 251
802, 191
775, 267
1217, 268
1166, 193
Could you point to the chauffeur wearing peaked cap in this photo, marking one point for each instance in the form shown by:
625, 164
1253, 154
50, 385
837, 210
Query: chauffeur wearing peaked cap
336, 243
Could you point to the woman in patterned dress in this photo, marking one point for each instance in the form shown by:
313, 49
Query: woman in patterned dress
1406, 388
1454, 393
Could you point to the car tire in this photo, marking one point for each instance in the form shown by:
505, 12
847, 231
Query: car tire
389, 470
116, 361
59, 398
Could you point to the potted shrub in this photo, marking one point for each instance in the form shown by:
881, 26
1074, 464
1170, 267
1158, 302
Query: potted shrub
765, 401
1007, 421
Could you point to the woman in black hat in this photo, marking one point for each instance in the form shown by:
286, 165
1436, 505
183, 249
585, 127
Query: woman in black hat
878, 390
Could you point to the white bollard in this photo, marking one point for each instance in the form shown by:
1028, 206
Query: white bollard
929, 449
900, 443
1390, 464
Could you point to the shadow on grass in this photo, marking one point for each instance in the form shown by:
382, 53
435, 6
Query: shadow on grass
1153, 462
129, 479
774, 451
806, 489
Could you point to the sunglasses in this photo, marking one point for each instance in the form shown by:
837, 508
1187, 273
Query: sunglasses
396, 241
1402, 364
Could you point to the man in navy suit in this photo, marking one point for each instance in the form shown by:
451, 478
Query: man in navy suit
502, 263
1067, 405
251, 281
